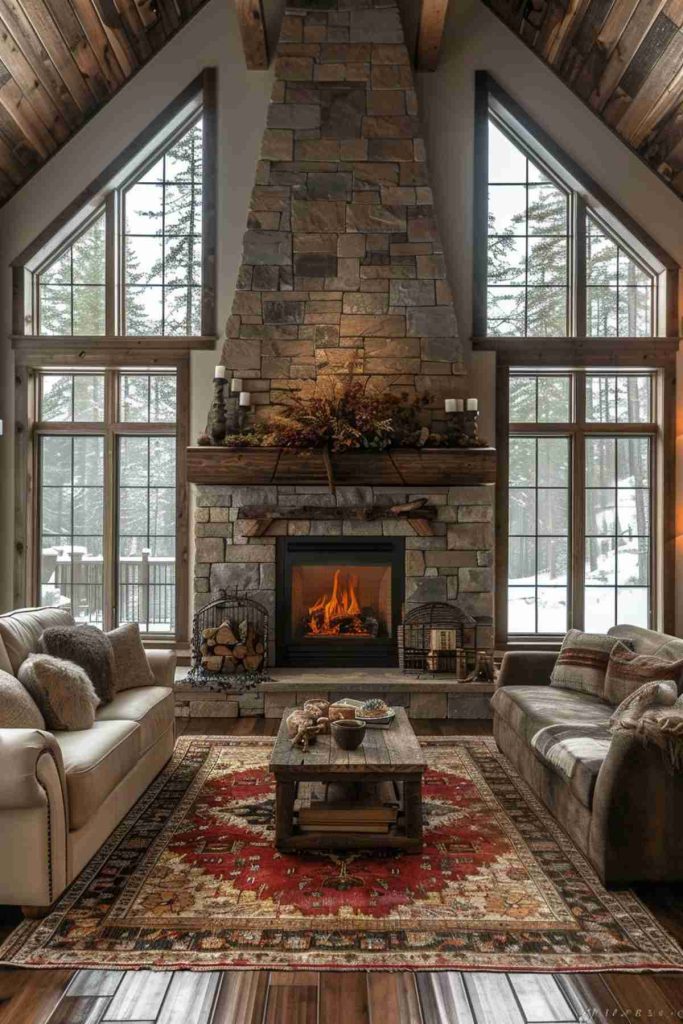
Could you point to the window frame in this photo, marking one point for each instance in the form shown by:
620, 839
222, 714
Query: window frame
105, 194
111, 429
491, 101
578, 430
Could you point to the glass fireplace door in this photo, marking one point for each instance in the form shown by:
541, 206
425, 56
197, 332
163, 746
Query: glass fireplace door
339, 600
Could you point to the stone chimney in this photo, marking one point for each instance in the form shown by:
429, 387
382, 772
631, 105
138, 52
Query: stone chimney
342, 266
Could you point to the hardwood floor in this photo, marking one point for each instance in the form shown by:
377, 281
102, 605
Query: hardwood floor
253, 997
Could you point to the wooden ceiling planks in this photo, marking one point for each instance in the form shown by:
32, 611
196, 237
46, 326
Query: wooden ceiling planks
623, 58
61, 60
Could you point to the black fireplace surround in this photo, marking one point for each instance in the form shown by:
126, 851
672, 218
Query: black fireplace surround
339, 601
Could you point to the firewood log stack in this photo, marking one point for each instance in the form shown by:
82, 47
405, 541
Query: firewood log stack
232, 649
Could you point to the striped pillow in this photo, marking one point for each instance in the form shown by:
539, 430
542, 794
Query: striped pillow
582, 662
627, 672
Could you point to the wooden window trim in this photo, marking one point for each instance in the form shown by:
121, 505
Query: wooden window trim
490, 96
662, 553
30, 429
200, 95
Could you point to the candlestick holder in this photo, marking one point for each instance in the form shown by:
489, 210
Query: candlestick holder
232, 419
216, 428
471, 424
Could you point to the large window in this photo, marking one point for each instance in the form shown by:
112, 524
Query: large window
154, 234
555, 257
107, 486
579, 516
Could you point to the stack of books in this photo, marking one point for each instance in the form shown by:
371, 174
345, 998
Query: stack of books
347, 807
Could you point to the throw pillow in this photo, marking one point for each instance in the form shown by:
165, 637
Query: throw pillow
18, 710
62, 690
582, 662
132, 667
627, 671
88, 647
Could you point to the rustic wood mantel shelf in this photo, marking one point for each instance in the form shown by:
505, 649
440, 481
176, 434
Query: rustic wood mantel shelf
400, 467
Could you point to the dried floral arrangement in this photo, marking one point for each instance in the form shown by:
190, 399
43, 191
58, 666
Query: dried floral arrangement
345, 413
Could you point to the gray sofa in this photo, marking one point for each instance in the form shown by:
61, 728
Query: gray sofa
615, 796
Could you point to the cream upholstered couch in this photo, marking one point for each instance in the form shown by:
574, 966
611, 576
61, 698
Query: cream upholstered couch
63, 793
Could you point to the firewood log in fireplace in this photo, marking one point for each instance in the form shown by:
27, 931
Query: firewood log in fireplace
223, 650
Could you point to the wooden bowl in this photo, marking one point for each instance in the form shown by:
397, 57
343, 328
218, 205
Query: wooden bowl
348, 733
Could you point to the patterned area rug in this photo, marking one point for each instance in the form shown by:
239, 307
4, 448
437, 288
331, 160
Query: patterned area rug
191, 880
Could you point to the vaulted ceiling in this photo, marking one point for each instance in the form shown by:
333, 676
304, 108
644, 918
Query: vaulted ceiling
623, 58
61, 60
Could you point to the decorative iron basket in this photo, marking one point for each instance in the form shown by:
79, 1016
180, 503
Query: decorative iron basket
230, 644
437, 637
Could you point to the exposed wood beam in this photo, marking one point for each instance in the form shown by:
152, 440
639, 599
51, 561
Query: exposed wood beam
253, 32
430, 34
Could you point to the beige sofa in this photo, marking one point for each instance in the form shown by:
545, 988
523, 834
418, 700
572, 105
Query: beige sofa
615, 796
62, 794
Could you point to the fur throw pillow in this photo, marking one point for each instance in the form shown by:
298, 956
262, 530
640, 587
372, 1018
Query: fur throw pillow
88, 647
653, 694
62, 691
18, 710
626, 672
582, 662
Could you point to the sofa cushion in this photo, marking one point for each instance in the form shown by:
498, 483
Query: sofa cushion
575, 752
582, 662
628, 671
568, 731
95, 761
130, 660
530, 708
152, 707
21, 630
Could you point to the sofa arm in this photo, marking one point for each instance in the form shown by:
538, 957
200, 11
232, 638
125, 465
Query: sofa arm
526, 668
162, 664
635, 831
33, 818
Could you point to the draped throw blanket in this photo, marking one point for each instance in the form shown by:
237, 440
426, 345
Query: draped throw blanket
654, 713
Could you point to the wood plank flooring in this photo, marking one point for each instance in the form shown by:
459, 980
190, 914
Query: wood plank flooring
309, 997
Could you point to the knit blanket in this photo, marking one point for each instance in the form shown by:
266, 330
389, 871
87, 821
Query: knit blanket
654, 713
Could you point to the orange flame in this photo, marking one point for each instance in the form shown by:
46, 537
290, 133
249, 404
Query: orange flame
329, 614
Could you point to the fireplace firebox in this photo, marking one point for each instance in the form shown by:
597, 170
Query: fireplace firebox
339, 601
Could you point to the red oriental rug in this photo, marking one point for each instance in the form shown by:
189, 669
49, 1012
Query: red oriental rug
191, 879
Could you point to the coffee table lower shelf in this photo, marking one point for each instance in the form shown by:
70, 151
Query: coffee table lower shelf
406, 835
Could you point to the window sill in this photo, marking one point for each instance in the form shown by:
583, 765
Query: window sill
581, 351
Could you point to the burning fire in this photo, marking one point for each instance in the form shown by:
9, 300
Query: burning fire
340, 613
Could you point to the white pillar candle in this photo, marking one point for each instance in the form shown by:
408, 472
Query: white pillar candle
245, 399
235, 384
472, 405
449, 404
459, 405
219, 373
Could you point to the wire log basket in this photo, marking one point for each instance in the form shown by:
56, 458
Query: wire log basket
437, 637
230, 645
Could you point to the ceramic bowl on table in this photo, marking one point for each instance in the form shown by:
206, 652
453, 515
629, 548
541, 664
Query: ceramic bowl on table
348, 733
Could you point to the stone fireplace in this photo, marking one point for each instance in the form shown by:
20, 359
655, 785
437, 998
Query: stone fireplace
343, 273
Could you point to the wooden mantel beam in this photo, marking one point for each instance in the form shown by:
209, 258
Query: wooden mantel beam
253, 32
430, 34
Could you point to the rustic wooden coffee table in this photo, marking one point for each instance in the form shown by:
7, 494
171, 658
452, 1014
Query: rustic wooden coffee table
392, 753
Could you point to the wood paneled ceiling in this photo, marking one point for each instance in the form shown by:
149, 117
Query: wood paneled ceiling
61, 60
623, 58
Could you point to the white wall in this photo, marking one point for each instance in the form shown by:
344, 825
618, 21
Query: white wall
475, 39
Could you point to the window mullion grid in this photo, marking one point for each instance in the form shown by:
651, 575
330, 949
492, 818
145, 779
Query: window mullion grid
110, 580
578, 281
577, 497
